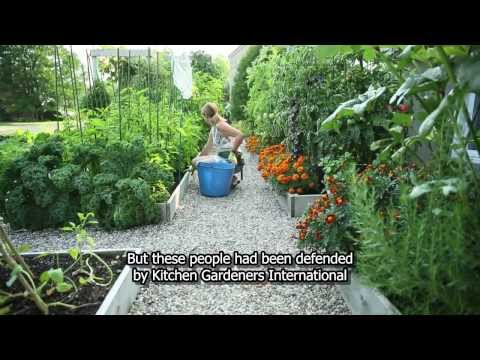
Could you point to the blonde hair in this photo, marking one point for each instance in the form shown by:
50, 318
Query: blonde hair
210, 110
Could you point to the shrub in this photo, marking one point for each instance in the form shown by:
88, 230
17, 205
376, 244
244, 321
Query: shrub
327, 223
97, 97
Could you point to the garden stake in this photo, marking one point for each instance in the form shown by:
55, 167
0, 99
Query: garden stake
119, 104
158, 94
65, 107
74, 79
56, 85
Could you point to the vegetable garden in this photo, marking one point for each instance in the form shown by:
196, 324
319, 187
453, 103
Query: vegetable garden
384, 137
127, 138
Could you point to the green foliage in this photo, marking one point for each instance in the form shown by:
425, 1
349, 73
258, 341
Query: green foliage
240, 88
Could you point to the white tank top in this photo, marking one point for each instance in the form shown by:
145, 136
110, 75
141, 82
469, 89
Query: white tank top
220, 142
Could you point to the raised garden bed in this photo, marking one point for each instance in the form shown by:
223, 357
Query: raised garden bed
169, 208
295, 205
114, 299
364, 300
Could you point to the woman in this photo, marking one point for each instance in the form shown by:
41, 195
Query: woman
223, 140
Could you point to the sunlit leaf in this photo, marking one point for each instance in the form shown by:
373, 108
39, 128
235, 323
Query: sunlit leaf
63, 287
44, 277
369, 53
56, 275
74, 252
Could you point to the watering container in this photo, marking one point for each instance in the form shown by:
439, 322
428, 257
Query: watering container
215, 178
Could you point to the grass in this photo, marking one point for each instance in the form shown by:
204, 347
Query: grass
10, 128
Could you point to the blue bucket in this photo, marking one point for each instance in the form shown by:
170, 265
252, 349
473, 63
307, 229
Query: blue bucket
215, 178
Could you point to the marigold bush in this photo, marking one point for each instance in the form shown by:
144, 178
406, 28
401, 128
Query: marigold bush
285, 172
253, 144
326, 224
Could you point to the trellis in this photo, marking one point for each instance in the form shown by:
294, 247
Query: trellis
165, 92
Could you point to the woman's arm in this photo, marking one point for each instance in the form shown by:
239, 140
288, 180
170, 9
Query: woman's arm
230, 131
208, 147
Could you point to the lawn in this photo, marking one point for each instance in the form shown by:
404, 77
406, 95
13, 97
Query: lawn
10, 128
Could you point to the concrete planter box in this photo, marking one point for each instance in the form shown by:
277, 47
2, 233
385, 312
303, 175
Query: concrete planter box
295, 205
169, 208
123, 291
363, 300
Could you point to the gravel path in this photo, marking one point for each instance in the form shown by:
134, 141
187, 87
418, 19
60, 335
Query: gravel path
249, 219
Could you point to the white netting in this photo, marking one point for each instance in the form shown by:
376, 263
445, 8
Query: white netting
182, 74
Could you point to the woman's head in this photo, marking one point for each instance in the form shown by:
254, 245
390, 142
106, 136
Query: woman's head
210, 113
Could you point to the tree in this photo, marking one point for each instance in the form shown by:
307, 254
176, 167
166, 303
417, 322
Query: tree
240, 88
27, 80
137, 72
202, 62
